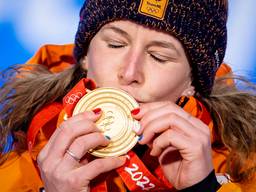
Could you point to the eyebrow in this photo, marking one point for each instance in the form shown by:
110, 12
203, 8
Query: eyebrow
164, 44
117, 30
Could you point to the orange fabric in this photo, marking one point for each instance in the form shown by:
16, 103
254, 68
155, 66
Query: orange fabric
54, 57
48, 115
230, 187
19, 174
223, 70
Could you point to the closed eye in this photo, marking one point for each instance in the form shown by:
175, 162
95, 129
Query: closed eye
115, 46
158, 59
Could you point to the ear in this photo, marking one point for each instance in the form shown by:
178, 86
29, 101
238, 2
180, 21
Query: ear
189, 91
84, 62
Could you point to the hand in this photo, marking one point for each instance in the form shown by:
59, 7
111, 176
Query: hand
181, 142
62, 172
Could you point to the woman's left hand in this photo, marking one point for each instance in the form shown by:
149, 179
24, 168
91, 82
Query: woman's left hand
180, 141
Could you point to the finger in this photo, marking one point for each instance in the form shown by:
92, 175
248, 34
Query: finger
190, 150
164, 140
169, 121
54, 150
79, 117
138, 113
158, 109
70, 130
170, 138
156, 113
86, 114
81, 146
44, 152
96, 167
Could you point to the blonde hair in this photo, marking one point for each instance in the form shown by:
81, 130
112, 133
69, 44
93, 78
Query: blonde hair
26, 90
234, 114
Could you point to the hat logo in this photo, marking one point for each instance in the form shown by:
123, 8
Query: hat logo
153, 8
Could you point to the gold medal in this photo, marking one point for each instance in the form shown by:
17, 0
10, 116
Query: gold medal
115, 122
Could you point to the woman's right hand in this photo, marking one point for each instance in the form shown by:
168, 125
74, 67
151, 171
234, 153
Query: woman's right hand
62, 172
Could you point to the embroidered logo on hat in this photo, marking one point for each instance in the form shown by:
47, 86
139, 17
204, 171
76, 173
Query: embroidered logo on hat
153, 8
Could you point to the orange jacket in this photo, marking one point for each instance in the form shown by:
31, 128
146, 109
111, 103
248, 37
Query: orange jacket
19, 172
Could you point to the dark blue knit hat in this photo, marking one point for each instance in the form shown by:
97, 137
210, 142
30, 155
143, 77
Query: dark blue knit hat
200, 25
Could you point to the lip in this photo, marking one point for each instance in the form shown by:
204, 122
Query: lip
140, 102
134, 97
128, 92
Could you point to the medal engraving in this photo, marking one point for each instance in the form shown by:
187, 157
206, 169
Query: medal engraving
116, 120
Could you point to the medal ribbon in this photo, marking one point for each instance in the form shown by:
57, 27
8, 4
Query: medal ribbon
76, 93
137, 177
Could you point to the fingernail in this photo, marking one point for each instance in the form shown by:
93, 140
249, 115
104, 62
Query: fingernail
107, 137
135, 111
96, 111
140, 138
136, 129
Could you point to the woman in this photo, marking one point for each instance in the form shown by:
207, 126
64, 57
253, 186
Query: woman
161, 53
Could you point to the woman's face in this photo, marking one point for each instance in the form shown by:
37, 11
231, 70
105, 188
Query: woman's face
148, 64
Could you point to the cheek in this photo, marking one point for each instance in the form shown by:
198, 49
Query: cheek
93, 65
97, 69
167, 85
95, 61
103, 63
101, 69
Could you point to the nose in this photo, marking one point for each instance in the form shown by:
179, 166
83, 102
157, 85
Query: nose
131, 70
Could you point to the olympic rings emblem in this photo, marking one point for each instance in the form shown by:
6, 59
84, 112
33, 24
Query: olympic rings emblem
107, 121
152, 10
73, 98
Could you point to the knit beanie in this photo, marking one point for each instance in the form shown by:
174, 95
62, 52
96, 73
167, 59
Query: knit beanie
200, 25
